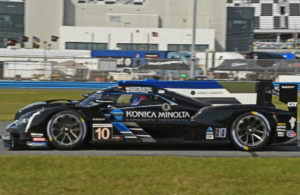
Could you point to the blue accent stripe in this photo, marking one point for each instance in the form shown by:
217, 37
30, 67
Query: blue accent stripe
125, 132
174, 84
121, 127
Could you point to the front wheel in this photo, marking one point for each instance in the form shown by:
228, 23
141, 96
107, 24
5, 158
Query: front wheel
66, 130
250, 131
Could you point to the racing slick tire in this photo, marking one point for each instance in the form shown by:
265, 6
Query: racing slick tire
250, 131
66, 130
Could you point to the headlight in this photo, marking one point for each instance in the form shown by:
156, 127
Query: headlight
25, 121
22, 121
17, 123
24, 118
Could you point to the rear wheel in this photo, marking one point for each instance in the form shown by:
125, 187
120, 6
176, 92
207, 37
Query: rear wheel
250, 131
66, 130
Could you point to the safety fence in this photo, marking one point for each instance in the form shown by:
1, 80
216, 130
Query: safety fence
112, 69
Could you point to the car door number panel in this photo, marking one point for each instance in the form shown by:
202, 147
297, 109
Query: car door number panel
102, 132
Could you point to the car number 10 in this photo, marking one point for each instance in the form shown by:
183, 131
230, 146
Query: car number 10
103, 133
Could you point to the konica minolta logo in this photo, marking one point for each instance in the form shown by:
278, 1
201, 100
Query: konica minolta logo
159, 115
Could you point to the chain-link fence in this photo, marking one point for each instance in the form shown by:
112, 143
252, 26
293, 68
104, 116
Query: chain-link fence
111, 69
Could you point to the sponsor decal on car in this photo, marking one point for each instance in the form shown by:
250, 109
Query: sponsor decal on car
281, 127
102, 125
102, 131
209, 133
98, 119
166, 107
292, 104
157, 115
39, 139
288, 86
117, 138
210, 92
292, 122
139, 89
291, 134
36, 144
220, 132
280, 134
36, 134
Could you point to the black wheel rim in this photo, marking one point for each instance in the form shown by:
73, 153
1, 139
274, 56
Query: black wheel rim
66, 129
251, 130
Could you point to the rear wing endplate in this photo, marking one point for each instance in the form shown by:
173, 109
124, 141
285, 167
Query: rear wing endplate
288, 94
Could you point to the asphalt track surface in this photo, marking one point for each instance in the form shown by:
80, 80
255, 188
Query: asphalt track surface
187, 150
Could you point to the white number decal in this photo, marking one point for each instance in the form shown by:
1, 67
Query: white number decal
103, 133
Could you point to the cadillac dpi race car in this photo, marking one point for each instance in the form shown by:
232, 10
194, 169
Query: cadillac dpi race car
158, 112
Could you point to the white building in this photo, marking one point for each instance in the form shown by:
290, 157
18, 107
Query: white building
133, 38
104, 24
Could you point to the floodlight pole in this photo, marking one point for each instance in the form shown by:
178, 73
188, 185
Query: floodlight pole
193, 55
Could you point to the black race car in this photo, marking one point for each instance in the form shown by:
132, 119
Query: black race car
147, 112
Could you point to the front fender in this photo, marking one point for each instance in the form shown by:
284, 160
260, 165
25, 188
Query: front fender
38, 122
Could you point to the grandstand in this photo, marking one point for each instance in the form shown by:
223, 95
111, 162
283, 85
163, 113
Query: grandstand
275, 20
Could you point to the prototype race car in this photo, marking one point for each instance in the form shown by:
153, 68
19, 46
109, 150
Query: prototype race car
148, 112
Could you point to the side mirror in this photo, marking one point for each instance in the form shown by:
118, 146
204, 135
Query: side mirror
103, 101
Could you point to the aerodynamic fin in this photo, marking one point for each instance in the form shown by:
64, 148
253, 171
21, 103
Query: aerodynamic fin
264, 90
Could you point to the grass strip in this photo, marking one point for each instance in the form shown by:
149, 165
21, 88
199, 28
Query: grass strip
11, 100
148, 175
239, 87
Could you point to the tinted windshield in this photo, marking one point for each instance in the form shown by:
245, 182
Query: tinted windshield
89, 101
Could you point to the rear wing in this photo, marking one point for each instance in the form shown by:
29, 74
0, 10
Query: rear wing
288, 94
